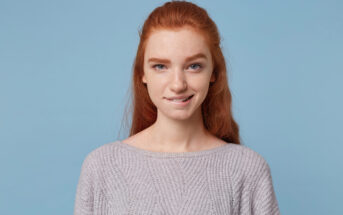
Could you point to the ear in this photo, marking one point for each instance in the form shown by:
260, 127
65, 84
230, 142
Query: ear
144, 79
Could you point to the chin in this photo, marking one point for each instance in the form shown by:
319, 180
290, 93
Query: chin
180, 116
175, 114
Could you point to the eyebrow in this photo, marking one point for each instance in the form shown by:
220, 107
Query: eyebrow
199, 55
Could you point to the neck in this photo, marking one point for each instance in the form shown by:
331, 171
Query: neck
178, 135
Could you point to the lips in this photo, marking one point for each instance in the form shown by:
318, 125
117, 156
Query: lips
180, 97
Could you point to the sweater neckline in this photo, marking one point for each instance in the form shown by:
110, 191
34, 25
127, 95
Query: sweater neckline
172, 154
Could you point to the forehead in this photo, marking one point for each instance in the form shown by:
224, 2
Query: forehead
175, 43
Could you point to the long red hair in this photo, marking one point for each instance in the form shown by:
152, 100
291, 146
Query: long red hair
216, 108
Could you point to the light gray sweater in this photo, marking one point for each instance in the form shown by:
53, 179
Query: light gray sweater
117, 178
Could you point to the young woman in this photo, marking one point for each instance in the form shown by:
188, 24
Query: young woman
183, 155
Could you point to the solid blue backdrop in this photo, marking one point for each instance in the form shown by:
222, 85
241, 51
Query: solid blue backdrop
65, 71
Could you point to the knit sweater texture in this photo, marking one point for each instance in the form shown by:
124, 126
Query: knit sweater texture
118, 178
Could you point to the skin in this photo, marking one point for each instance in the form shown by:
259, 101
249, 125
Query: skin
177, 129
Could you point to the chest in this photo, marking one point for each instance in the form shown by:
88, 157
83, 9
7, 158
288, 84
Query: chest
173, 187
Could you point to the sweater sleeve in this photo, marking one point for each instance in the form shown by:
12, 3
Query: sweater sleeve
263, 195
85, 189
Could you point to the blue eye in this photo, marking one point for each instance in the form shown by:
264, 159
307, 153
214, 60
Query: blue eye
157, 65
196, 64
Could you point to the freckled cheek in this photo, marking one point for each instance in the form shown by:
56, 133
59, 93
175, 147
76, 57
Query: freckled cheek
199, 83
156, 89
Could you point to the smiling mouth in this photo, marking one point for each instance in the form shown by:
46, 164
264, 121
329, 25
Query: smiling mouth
181, 100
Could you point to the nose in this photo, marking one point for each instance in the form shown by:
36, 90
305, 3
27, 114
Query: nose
179, 82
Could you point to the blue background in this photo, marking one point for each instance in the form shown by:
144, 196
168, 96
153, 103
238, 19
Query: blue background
65, 70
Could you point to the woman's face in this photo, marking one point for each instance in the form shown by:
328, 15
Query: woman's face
177, 64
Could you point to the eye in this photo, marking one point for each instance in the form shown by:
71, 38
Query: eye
158, 66
196, 66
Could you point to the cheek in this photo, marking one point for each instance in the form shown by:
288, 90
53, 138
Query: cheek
200, 83
155, 90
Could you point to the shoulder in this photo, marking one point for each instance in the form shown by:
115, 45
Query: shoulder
99, 157
245, 160
245, 152
102, 150
250, 152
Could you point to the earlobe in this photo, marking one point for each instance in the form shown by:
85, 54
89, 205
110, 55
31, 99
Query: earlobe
143, 79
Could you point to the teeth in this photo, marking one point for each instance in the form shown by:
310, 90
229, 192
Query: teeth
177, 100
180, 100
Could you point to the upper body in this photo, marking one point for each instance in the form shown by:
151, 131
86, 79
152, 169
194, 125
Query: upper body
119, 178
183, 154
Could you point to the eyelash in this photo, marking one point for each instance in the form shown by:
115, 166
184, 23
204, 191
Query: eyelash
198, 64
